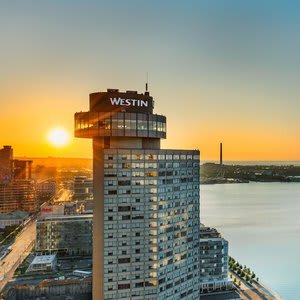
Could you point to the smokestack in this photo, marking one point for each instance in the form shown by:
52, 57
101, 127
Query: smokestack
221, 154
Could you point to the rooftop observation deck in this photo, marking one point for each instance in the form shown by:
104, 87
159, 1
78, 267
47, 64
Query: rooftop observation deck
119, 124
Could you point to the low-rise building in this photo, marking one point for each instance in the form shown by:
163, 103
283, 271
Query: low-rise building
62, 287
65, 234
6, 170
14, 218
43, 263
18, 195
52, 210
213, 261
71, 208
83, 188
46, 189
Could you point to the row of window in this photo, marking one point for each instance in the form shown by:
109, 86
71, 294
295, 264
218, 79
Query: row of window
174, 230
149, 156
149, 165
136, 191
144, 199
142, 173
139, 182
123, 125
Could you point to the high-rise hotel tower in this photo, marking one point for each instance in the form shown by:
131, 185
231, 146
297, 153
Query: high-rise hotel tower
146, 202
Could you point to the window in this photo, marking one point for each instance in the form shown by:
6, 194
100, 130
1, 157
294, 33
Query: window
124, 260
124, 208
124, 286
139, 284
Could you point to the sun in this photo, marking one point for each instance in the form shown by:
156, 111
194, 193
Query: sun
58, 137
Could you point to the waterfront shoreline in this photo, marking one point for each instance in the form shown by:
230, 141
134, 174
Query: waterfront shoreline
253, 218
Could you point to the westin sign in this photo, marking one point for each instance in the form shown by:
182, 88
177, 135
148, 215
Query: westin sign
128, 102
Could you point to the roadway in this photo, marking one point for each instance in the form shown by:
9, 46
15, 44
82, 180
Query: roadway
22, 246
24, 243
254, 291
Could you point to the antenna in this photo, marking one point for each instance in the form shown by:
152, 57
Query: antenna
147, 82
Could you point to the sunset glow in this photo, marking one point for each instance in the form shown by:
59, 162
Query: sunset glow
58, 137
224, 80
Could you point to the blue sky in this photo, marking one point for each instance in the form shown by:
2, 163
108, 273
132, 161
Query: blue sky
228, 70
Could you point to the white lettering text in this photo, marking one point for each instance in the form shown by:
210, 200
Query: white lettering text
128, 102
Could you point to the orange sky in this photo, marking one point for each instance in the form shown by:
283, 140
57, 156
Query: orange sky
25, 124
218, 74
26, 128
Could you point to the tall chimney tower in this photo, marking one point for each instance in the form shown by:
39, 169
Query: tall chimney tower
221, 154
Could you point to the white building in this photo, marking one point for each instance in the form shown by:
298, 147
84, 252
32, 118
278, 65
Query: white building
14, 218
43, 263
214, 261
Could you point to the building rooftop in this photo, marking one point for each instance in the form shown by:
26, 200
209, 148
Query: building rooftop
14, 215
43, 259
208, 232
66, 217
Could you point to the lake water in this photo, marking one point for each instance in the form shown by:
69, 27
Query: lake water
261, 221
257, 162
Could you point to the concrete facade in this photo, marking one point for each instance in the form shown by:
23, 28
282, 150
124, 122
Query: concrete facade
65, 235
214, 261
146, 202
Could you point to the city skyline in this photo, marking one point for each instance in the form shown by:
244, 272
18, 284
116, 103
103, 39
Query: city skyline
231, 66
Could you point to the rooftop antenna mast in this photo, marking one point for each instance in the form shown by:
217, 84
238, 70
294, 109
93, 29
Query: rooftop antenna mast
147, 82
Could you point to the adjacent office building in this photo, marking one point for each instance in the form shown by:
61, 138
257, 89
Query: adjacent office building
46, 189
17, 189
18, 195
13, 168
83, 188
214, 261
146, 202
6, 169
64, 234
22, 169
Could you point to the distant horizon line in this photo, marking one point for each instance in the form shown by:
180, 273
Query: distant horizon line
204, 160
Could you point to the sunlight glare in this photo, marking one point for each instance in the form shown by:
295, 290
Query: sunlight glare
58, 137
